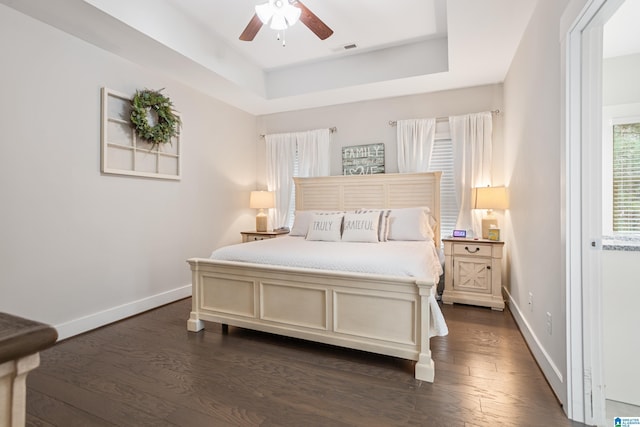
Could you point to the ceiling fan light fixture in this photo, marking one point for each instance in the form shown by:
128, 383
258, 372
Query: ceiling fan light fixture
264, 12
291, 14
278, 22
280, 12
280, 15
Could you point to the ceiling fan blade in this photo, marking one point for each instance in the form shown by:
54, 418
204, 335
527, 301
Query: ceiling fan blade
252, 29
314, 23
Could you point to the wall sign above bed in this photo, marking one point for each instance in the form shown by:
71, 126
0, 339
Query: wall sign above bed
363, 159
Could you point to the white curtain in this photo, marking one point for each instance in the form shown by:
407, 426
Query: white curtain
281, 155
311, 151
415, 144
471, 138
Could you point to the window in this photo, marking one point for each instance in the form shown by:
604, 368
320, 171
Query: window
619, 154
626, 177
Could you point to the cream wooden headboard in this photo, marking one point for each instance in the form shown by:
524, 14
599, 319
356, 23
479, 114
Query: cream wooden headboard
350, 192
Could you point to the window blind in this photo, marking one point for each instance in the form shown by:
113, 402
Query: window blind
626, 178
442, 160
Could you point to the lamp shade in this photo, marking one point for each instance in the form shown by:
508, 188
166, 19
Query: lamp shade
489, 198
261, 200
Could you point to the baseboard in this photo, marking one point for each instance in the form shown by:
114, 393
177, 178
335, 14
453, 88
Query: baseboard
110, 315
549, 369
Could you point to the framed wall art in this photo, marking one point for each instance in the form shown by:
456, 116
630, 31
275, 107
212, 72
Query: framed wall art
124, 153
363, 159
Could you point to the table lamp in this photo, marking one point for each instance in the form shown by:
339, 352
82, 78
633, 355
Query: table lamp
489, 198
261, 200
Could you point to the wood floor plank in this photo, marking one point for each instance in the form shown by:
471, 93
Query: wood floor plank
32, 421
96, 402
148, 370
44, 410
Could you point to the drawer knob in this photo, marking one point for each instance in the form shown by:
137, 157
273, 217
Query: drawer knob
470, 251
488, 267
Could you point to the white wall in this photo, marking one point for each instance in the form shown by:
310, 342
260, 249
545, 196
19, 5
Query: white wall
368, 122
79, 249
620, 80
533, 155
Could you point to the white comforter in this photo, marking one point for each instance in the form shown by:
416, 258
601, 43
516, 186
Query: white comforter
396, 258
393, 258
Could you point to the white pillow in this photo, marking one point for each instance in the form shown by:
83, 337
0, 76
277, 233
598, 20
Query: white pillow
383, 226
302, 219
301, 222
325, 227
361, 227
409, 224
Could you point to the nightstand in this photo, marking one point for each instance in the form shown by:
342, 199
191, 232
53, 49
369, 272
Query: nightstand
473, 272
250, 236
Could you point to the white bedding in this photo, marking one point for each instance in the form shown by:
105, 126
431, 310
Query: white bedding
394, 258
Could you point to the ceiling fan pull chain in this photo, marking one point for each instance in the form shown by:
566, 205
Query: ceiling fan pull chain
284, 42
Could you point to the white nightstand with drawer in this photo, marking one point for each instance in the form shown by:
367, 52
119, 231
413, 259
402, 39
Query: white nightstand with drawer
250, 236
473, 272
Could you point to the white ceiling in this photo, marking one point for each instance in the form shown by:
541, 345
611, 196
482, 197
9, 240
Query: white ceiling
404, 46
354, 21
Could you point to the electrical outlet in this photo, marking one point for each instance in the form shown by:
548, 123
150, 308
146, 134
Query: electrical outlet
530, 301
549, 323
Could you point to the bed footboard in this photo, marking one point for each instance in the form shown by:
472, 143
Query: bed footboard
380, 314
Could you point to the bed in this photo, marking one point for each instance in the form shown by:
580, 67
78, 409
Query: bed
380, 313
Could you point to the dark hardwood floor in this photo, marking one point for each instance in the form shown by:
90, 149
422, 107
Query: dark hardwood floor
149, 371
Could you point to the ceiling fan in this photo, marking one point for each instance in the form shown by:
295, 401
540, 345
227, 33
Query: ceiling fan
283, 14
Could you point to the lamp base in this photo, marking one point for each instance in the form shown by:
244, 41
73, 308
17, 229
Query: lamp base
486, 225
261, 221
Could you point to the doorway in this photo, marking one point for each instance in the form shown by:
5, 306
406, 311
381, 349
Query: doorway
620, 268
591, 303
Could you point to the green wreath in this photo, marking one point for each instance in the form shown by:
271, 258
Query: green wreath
168, 123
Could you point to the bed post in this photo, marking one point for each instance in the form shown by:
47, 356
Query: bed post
425, 368
194, 324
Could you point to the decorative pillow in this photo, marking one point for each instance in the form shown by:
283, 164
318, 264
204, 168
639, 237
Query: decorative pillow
409, 224
383, 225
326, 227
361, 227
302, 219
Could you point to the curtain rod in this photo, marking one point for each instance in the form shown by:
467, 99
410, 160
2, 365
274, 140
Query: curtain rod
438, 119
331, 129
